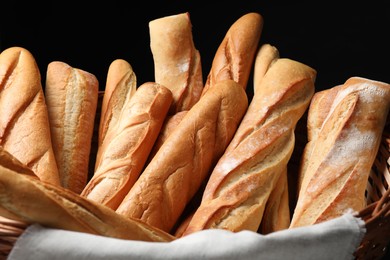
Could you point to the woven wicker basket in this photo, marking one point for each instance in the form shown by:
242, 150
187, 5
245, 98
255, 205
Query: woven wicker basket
376, 215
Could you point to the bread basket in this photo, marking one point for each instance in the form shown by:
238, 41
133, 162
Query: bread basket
376, 215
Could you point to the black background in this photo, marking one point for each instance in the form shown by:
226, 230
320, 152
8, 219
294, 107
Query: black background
339, 40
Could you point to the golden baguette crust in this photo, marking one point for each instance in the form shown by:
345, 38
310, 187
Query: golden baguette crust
127, 144
240, 184
24, 121
177, 62
277, 210
121, 84
235, 55
182, 225
265, 57
316, 114
170, 124
10, 162
346, 124
183, 161
29, 200
71, 97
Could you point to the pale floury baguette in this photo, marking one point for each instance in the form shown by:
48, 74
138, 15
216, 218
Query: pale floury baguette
71, 97
235, 55
31, 201
24, 121
121, 84
244, 177
184, 160
177, 62
317, 112
345, 125
127, 144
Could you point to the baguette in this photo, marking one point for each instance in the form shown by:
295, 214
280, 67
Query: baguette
277, 210
345, 125
266, 56
10, 162
170, 124
183, 161
121, 84
71, 97
241, 182
24, 121
316, 114
235, 55
177, 62
127, 144
31, 201
182, 225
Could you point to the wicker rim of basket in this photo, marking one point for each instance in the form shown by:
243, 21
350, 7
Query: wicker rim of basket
10, 231
375, 242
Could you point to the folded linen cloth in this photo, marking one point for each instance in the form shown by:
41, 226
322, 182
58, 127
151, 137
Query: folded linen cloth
334, 239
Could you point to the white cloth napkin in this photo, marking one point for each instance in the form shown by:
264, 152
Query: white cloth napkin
334, 239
